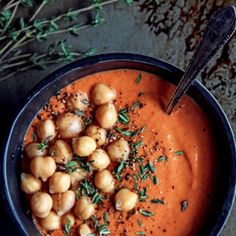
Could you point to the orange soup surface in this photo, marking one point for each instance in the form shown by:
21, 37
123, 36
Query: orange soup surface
173, 169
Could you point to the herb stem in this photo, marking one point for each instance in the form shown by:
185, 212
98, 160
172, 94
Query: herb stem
17, 44
6, 47
15, 72
27, 67
55, 32
44, 2
10, 20
16, 58
59, 17
11, 4
8, 66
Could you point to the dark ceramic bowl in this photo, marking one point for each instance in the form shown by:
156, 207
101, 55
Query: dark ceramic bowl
17, 206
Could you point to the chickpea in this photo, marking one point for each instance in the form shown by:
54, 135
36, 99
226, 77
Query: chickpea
102, 94
59, 183
99, 159
30, 184
78, 101
77, 176
118, 150
125, 200
43, 167
69, 125
33, 150
61, 152
84, 208
63, 202
51, 222
83, 146
106, 115
104, 181
46, 130
68, 219
41, 204
97, 133
84, 230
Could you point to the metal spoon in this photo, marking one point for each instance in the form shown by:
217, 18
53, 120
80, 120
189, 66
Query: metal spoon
220, 28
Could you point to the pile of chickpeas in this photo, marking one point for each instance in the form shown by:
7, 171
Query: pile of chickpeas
56, 203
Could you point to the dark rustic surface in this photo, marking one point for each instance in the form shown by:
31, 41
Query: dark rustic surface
168, 30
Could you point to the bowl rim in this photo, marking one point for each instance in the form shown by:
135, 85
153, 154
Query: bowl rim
112, 57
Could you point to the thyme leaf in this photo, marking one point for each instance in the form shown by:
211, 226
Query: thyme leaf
157, 201
129, 133
67, 227
140, 233
151, 167
101, 229
162, 158
43, 145
140, 76
145, 213
71, 166
184, 205
179, 153
123, 117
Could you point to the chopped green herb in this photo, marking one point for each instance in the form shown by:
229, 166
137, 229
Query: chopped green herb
151, 167
71, 166
85, 101
42, 146
184, 205
162, 158
134, 176
87, 120
140, 233
79, 112
139, 159
84, 164
106, 219
87, 188
179, 153
143, 195
67, 227
129, 133
140, 94
143, 172
145, 177
101, 229
155, 180
118, 170
97, 198
140, 223
138, 144
136, 104
157, 201
123, 117
146, 213
139, 78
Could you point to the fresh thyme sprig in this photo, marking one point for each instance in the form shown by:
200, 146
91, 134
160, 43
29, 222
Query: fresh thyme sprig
16, 32
56, 53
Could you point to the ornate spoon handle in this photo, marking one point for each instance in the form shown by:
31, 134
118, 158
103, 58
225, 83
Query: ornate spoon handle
220, 28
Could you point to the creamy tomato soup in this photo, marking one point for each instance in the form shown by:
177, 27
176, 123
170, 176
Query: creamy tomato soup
170, 167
